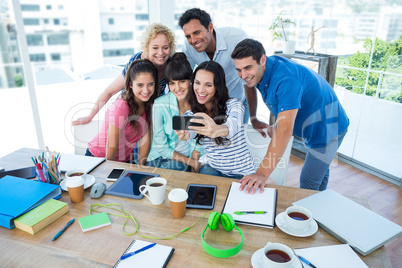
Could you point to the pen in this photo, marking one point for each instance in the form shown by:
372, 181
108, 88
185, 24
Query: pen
65, 227
306, 261
125, 256
249, 212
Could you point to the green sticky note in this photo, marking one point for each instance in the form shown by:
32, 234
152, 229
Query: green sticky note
94, 221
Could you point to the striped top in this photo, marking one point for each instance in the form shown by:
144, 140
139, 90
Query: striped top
234, 158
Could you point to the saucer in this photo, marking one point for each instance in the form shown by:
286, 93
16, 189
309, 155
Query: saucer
255, 260
89, 181
280, 221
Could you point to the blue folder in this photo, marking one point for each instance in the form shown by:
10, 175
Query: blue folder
18, 196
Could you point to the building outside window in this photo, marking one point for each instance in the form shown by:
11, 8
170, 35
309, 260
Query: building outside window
111, 21
37, 57
56, 21
34, 40
58, 39
118, 52
29, 22
55, 56
26, 7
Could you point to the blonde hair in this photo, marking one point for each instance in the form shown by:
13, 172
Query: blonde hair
151, 32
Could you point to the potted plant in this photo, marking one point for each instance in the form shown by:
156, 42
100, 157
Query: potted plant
278, 29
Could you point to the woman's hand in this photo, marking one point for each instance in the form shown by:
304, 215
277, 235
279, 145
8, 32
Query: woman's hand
210, 128
196, 166
82, 121
183, 135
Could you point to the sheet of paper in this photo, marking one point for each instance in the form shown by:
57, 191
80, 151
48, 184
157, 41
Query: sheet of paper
335, 256
240, 201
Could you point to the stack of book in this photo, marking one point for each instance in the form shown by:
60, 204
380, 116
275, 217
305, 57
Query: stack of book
41, 216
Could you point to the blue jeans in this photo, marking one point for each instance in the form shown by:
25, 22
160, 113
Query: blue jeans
315, 171
246, 113
161, 162
208, 170
88, 153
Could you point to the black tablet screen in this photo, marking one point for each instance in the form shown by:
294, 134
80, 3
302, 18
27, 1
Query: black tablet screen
128, 185
201, 195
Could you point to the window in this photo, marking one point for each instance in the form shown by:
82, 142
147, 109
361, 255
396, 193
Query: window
61, 7
111, 21
118, 52
30, 8
37, 57
34, 40
55, 56
58, 39
141, 16
56, 21
48, 7
46, 21
31, 21
117, 36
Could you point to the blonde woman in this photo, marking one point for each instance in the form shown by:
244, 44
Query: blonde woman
158, 44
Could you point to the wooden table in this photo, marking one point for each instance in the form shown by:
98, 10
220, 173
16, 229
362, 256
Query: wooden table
104, 246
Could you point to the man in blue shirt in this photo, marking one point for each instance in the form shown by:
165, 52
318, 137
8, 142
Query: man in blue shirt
206, 43
304, 104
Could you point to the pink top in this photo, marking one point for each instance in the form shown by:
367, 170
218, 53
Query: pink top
117, 115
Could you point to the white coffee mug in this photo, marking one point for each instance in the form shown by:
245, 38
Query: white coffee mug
155, 187
298, 221
279, 256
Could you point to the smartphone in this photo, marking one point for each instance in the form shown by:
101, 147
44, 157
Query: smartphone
201, 196
115, 174
182, 122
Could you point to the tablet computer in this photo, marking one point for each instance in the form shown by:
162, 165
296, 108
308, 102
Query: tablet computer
25, 173
129, 183
201, 196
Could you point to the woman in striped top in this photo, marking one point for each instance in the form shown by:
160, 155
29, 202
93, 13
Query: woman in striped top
225, 147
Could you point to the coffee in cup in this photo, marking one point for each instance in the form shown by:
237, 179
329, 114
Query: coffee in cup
178, 200
75, 187
155, 187
298, 218
277, 255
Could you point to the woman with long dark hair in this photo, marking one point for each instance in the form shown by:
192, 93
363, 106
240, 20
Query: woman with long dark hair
221, 135
128, 119
167, 151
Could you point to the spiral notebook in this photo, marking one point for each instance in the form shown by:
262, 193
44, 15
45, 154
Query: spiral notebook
155, 257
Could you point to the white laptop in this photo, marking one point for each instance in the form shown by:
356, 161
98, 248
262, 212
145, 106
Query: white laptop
361, 228
75, 161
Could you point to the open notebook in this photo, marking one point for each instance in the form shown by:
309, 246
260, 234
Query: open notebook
74, 161
240, 201
155, 257
361, 228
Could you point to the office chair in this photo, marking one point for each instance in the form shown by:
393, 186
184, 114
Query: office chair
258, 147
84, 134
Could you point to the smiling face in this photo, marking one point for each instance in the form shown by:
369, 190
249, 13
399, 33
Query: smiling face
180, 88
159, 49
204, 87
250, 71
198, 36
143, 87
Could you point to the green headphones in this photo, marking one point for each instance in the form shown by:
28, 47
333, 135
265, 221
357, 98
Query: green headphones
228, 224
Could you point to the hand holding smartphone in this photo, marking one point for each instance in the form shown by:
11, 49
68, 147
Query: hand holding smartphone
115, 174
182, 122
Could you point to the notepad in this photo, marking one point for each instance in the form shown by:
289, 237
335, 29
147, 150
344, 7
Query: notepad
155, 257
94, 221
240, 201
41, 216
334, 256
74, 161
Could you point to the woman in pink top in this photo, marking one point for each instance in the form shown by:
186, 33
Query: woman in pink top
129, 117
